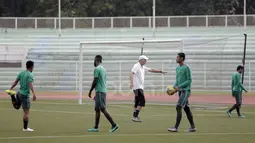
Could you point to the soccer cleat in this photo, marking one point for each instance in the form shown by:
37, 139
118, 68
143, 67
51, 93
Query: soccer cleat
173, 129
136, 119
28, 130
114, 128
191, 130
241, 116
10, 92
93, 130
229, 114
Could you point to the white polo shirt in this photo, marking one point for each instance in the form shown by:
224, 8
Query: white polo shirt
138, 76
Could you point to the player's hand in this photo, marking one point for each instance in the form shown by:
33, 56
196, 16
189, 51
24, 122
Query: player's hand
131, 85
90, 94
34, 98
163, 72
176, 88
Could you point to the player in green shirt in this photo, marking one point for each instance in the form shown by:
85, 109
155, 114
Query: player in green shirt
25, 78
100, 86
183, 87
237, 88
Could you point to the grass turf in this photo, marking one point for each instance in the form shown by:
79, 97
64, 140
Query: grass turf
66, 121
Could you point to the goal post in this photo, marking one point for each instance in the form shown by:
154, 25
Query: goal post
92, 48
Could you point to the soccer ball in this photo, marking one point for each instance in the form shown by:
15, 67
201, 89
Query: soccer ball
170, 90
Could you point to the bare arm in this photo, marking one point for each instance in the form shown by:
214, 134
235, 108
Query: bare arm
155, 71
32, 89
94, 83
14, 84
131, 80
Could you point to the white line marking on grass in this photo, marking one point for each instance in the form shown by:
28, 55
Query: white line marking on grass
126, 135
74, 104
65, 112
123, 115
117, 104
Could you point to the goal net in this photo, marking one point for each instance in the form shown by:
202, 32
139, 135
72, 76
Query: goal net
118, 60
212, 60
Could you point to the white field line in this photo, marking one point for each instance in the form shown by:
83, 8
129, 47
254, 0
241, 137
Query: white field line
116, 104
123, 115
125, 135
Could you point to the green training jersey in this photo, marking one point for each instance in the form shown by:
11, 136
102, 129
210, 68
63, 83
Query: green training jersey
183, 77
236, 82
100, 73
25, 77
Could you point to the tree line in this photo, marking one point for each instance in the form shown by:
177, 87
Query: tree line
108, 8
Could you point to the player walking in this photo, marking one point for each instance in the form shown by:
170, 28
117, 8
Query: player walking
137, 84
25, 78
183, 87
237, 88
100, 86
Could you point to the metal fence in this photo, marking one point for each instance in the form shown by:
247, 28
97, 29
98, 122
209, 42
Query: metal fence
128, 22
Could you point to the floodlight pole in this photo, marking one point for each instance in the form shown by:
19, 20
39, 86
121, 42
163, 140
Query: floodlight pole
154, 17
59, 18
244, 15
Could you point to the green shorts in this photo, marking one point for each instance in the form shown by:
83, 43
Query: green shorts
22, 100
183, 98
100, 100
238, 96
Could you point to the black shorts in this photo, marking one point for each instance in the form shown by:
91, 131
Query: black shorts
100, 100
238, 96
183, 98
22, 100
139, 98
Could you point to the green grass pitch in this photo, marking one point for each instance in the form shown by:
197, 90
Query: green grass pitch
66, 121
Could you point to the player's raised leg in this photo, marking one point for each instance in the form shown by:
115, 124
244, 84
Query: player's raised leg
22, 98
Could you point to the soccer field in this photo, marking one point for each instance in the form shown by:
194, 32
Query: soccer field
65, 121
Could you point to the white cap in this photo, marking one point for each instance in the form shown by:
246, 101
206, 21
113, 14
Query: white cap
143, 57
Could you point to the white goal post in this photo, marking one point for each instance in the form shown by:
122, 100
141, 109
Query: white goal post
91, 43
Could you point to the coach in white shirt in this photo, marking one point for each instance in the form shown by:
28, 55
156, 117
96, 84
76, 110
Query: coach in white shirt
137, 84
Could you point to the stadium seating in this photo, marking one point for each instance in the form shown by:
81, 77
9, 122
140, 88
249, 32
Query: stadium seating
57, 58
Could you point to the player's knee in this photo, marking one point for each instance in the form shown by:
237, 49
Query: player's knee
186, 109
103, 110
26, 111
178, 109
16, 107
97, 109
142, 103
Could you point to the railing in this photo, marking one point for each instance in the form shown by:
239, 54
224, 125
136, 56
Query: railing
128, 22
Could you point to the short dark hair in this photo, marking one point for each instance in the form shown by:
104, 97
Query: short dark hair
182, 55
99, 58
29, 64
240, 67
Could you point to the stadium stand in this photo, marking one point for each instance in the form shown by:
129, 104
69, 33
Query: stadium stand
57, 58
